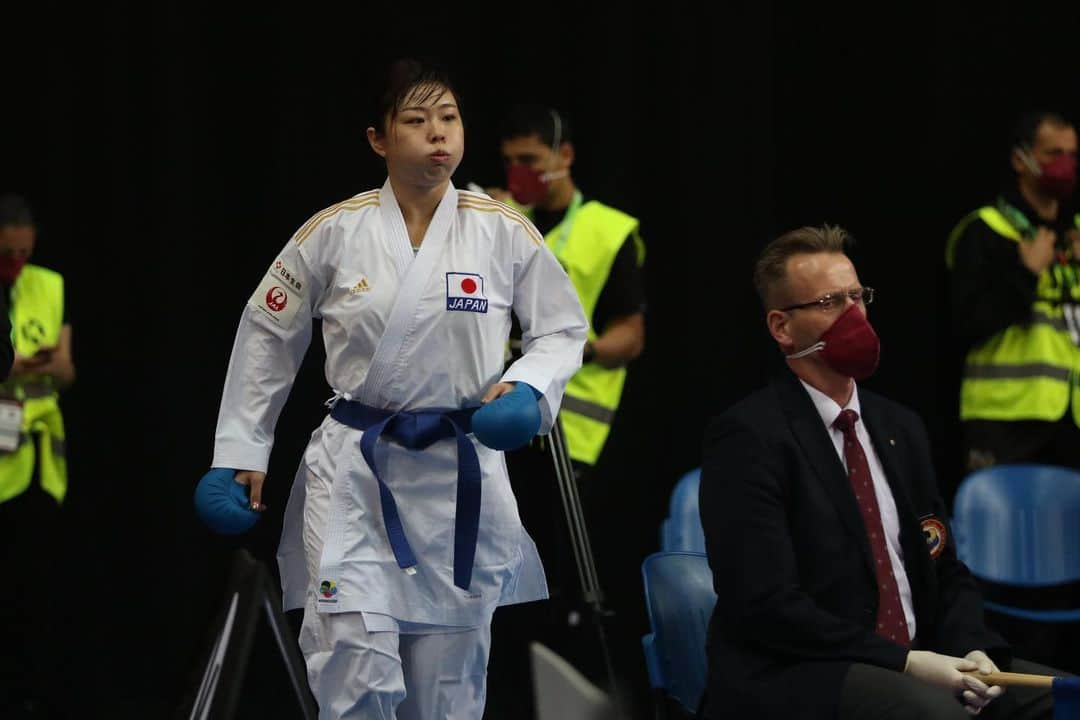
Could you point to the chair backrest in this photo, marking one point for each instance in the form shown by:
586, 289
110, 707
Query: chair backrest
679, 598
1020, 524
682, 529
563, 693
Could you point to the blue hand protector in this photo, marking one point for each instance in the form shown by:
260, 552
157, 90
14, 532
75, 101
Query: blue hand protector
510, 421
223, 504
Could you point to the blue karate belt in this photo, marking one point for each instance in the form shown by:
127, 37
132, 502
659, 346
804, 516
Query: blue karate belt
417, 430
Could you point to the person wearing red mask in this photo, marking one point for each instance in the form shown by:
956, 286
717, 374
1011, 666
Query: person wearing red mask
42, 346
818, 502
33, 467
603, 253
1014, 287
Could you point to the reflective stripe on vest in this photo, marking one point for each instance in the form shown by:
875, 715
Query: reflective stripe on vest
591, 410
37, 312
586, 243
1029, 370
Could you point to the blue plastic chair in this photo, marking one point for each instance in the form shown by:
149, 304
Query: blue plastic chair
679, 598
681, 530
1019, 525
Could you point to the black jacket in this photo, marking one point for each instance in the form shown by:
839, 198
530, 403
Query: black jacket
791, 562
7, 351
990, 289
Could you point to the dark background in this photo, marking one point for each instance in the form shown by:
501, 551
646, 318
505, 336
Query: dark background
170, 152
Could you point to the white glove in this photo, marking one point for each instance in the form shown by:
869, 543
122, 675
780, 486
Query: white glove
978, 694
941, 670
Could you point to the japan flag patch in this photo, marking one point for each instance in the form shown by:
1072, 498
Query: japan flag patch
465, 292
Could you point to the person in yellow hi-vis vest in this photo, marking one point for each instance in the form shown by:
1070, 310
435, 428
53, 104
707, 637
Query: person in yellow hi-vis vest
601, 250
1015, 294
33, 467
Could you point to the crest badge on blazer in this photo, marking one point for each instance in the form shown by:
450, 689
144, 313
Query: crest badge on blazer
934, 533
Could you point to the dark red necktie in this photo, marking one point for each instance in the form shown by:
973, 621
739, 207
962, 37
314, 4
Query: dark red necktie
891, 623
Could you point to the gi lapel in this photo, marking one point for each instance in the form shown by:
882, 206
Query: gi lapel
415, 273
810, 433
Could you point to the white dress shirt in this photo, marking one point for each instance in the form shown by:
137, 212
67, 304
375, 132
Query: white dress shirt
829, 411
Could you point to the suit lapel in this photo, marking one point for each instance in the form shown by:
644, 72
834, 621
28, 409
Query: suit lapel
883, 435
811, 435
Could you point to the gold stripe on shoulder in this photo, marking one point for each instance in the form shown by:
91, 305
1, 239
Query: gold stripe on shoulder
466, 196
485, 200
508, 213
314, 219
305, 232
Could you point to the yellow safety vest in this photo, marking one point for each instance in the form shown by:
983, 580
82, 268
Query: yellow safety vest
586, 243
1029, 371
37, 314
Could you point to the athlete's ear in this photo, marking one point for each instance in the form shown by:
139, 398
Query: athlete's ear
377, 142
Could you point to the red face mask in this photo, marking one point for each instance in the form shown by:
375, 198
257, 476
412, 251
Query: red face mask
1058, 177
528, 186
10, 267
850, 346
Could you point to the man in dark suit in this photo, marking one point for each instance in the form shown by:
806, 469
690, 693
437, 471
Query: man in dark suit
839, 590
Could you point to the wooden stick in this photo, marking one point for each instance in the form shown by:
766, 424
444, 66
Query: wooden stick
1009, 679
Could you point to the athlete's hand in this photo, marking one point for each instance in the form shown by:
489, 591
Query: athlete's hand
254, 480
496, 391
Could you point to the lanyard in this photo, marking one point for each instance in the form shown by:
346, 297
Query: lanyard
567, 224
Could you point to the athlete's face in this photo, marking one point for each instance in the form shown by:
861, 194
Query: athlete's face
424, 140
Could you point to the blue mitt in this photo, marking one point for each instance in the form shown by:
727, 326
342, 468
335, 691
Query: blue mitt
510, 421
223, 504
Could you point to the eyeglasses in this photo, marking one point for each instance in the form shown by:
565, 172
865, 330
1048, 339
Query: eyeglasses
832, 301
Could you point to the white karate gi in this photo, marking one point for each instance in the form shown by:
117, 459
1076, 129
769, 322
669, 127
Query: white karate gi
401, 331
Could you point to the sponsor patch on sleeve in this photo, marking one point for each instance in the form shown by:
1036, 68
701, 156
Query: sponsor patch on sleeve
279, 295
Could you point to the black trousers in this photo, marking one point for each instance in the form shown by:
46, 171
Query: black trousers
32, 581
560, 623
874, 693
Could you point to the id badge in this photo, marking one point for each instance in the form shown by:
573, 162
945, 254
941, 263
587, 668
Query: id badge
11, 417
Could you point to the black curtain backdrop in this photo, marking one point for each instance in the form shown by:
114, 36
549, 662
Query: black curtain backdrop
169, 152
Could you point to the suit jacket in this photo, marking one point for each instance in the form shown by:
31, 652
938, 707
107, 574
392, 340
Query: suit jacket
791, 561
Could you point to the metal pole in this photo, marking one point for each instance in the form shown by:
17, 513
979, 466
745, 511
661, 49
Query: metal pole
583, 554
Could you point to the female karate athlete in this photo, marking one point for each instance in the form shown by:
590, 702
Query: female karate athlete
401, 533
